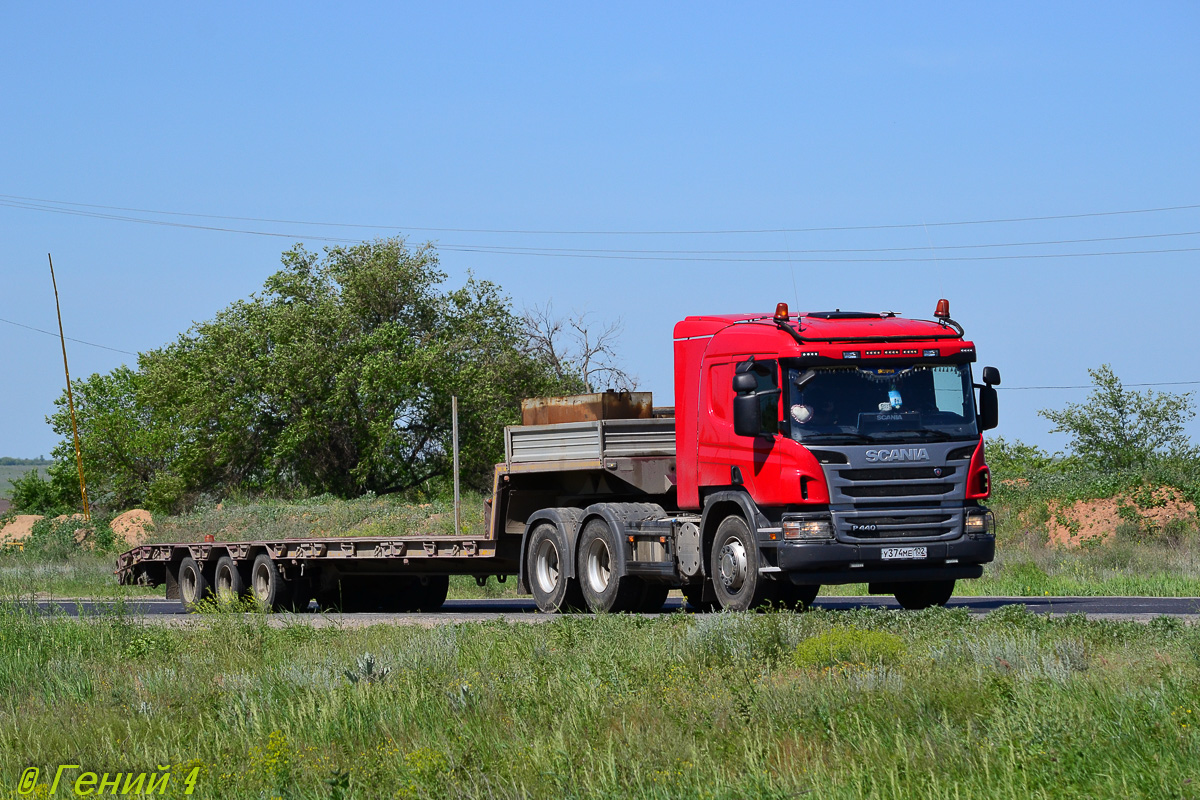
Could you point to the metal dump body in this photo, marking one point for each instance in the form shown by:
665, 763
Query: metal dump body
594, 441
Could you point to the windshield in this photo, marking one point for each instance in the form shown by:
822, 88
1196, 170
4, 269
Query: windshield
920, 402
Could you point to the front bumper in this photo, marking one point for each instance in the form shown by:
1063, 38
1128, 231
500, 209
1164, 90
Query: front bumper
834, 562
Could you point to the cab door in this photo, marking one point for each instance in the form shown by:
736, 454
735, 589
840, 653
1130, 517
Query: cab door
728, 459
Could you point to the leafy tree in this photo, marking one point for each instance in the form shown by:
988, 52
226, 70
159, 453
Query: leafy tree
337, 378
1118, 428
1015, 458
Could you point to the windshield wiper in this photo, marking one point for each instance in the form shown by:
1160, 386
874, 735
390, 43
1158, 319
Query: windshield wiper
933, 436
826, 437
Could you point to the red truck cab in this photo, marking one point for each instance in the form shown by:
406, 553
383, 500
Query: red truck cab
855, 437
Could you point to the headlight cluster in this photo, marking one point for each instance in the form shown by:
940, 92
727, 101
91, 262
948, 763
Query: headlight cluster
980, 524
807, 529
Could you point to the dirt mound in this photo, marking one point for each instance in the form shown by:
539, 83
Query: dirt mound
133, 527
1097, 520
17, 529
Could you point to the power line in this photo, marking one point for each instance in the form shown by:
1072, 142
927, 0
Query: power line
1012, 389
634, 255
893, 226
78, 341
1093, 386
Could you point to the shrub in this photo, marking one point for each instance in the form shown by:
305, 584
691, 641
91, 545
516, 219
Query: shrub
849, 646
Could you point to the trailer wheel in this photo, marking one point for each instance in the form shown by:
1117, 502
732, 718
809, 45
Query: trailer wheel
736, 580
193, 584
267, 585
603, 588
915, 596
795, 597
228, 583
546, 560
653, 597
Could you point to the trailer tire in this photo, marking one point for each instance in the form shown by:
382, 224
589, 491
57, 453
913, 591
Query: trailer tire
194, 585
916, 596
734, 567
654, 595
228, 582
795, 597
599, 558
267, 584
546, 557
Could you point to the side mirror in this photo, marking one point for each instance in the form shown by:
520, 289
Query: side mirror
991, 376
747, 414
744, 382
989, 406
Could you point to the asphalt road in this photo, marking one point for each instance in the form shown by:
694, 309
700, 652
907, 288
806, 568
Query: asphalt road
1140, 609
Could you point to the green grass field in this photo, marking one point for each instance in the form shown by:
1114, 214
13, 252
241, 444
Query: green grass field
835, 705
9, 473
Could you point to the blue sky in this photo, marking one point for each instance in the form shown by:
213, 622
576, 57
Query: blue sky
561, 117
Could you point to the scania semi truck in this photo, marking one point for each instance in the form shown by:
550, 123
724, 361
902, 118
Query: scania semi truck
802, 450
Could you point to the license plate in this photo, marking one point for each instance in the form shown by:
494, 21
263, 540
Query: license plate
904, 553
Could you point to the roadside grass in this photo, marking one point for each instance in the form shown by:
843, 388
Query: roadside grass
713, 706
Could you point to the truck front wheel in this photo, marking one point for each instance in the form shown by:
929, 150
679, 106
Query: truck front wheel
603, 588
734, 568
915, 596
546, 559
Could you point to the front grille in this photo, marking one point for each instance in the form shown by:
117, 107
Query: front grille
899, 490
895, 524
896, 473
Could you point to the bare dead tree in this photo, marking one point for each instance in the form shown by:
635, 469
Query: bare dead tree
576, 347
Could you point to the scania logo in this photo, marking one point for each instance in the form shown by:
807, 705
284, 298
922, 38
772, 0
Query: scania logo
899, 454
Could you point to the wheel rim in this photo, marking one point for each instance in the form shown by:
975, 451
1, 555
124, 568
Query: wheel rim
187, 585
547, 566
262, 581
599, 565
732, 565
224, 582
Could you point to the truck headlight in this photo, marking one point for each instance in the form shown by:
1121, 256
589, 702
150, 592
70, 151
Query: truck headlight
807, 529
980, 524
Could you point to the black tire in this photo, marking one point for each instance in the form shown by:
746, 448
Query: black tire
546, 559
194, 586
604, 590
795, 597
915, 596
268, 586
426, 593
734, 567
654, 595
228, 581
695, 598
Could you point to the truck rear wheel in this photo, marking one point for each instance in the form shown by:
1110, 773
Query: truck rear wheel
915, 596
267, 585
603, 588
228, 583
193, 584
546, 562
695, 598
736, 579
795, 597
426, 593
653, 597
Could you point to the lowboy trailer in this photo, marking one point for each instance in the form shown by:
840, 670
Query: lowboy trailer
803, 450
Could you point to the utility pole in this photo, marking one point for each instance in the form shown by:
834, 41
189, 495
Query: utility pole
87, 508
454, 428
